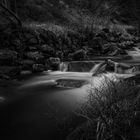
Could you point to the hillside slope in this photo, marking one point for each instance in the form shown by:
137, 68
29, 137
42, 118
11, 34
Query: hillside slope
76, 11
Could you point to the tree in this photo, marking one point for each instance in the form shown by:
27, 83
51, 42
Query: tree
6, 6
13, 6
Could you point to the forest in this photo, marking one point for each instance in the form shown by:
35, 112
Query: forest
70, 69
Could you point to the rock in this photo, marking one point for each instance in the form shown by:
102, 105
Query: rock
10, 71
135, 77
80, 66
16, 42
47, 49
69, 83
96, 44
106, 30
78, 55
7, 57
27, 64
132, 30
122, 68
32, 48
31, 37
2, 99
4, 77
33, 41
38, 68
46, 35
112, 49
36, 56
54, 63
25, 72
126, 37
102, 35
126, 45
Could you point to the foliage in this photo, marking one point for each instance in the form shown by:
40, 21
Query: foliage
111, 107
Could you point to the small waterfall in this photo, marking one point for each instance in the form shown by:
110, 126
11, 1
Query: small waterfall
98, 68
95, 68
77, 66
63, 66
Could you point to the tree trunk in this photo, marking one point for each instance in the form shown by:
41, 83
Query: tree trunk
11, 14
13, 6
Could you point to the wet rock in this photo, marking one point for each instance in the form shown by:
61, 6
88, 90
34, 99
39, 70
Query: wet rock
33, 41
38, 67
102, 35
32, 48
97, 44
106, 30
25, 72
7, 57
54, 63
112, 49
126, 44
10, 71
122, 68
36, 56
47, 49
4, 77
27, 64
132, 31
78, 55
80, 66
31, 37
47, 36
67, 83
16, 42
126, 37
135, 78
2, 99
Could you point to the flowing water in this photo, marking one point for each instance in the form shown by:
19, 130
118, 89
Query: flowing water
40, 102
45, 100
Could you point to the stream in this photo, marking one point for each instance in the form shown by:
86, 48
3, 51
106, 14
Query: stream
43, 102
33, 114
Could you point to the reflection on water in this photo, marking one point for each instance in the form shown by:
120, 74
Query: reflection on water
30, 115
2, 99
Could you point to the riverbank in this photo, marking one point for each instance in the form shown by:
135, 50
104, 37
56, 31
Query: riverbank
35, 48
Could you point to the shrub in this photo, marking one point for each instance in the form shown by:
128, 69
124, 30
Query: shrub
110, 109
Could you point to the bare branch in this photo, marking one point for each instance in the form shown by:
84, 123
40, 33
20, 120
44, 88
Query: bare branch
12, 14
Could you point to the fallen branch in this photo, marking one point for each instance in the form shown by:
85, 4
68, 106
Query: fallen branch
12, 14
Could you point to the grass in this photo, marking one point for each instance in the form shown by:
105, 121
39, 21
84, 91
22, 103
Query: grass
86, 24
48, 26
109, 111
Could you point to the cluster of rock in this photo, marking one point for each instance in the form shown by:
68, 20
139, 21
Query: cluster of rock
34, 50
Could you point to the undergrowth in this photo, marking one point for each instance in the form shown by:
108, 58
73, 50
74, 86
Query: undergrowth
109, 112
